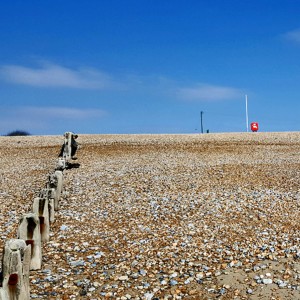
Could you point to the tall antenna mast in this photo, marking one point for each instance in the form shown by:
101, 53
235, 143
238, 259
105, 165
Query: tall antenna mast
247, 122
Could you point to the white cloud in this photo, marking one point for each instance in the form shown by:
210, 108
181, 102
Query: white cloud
43, 119
293, 35
56, 76
61, 112
206, 92
53, 75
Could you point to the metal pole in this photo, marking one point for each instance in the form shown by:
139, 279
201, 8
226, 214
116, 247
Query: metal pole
201, 114
247, 122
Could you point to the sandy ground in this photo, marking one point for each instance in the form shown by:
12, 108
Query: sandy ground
211, 216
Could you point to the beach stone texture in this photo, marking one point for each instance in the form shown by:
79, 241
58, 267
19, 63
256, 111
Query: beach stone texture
211, 216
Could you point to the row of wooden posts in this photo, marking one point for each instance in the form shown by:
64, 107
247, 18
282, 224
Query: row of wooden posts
24, 253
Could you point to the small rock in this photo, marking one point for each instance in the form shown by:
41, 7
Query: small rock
199, 275
143, 272
148, 296
267, 281
282, 284
63, 227
173, 282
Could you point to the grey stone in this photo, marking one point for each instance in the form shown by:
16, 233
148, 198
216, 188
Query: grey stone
173, 282
267, 281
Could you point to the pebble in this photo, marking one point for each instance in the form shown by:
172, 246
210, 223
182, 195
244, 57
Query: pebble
282, 284
267, 281
143, 272
77, 263
123, 278
173, 282
63, 227
148, 296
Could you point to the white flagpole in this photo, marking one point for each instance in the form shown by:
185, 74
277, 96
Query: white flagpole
247, 122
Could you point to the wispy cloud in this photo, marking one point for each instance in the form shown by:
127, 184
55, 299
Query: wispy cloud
53, 75
41, 119
207, 92
61, 112
56, 76
293, 35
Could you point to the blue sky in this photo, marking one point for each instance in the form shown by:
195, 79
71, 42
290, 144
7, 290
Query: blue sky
149, 66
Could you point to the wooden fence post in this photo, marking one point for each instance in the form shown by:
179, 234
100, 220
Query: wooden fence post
29, 230
15, 268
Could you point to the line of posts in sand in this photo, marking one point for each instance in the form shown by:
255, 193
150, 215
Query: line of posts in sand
24, 253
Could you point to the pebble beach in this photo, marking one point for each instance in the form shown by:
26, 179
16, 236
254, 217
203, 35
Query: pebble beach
200, 216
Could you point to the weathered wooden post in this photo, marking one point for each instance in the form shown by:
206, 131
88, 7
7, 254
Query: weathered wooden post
68, 150
3, 294
41, 209
29, 230
49, 193
55, 182
60, 180
15, 268
68, 146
